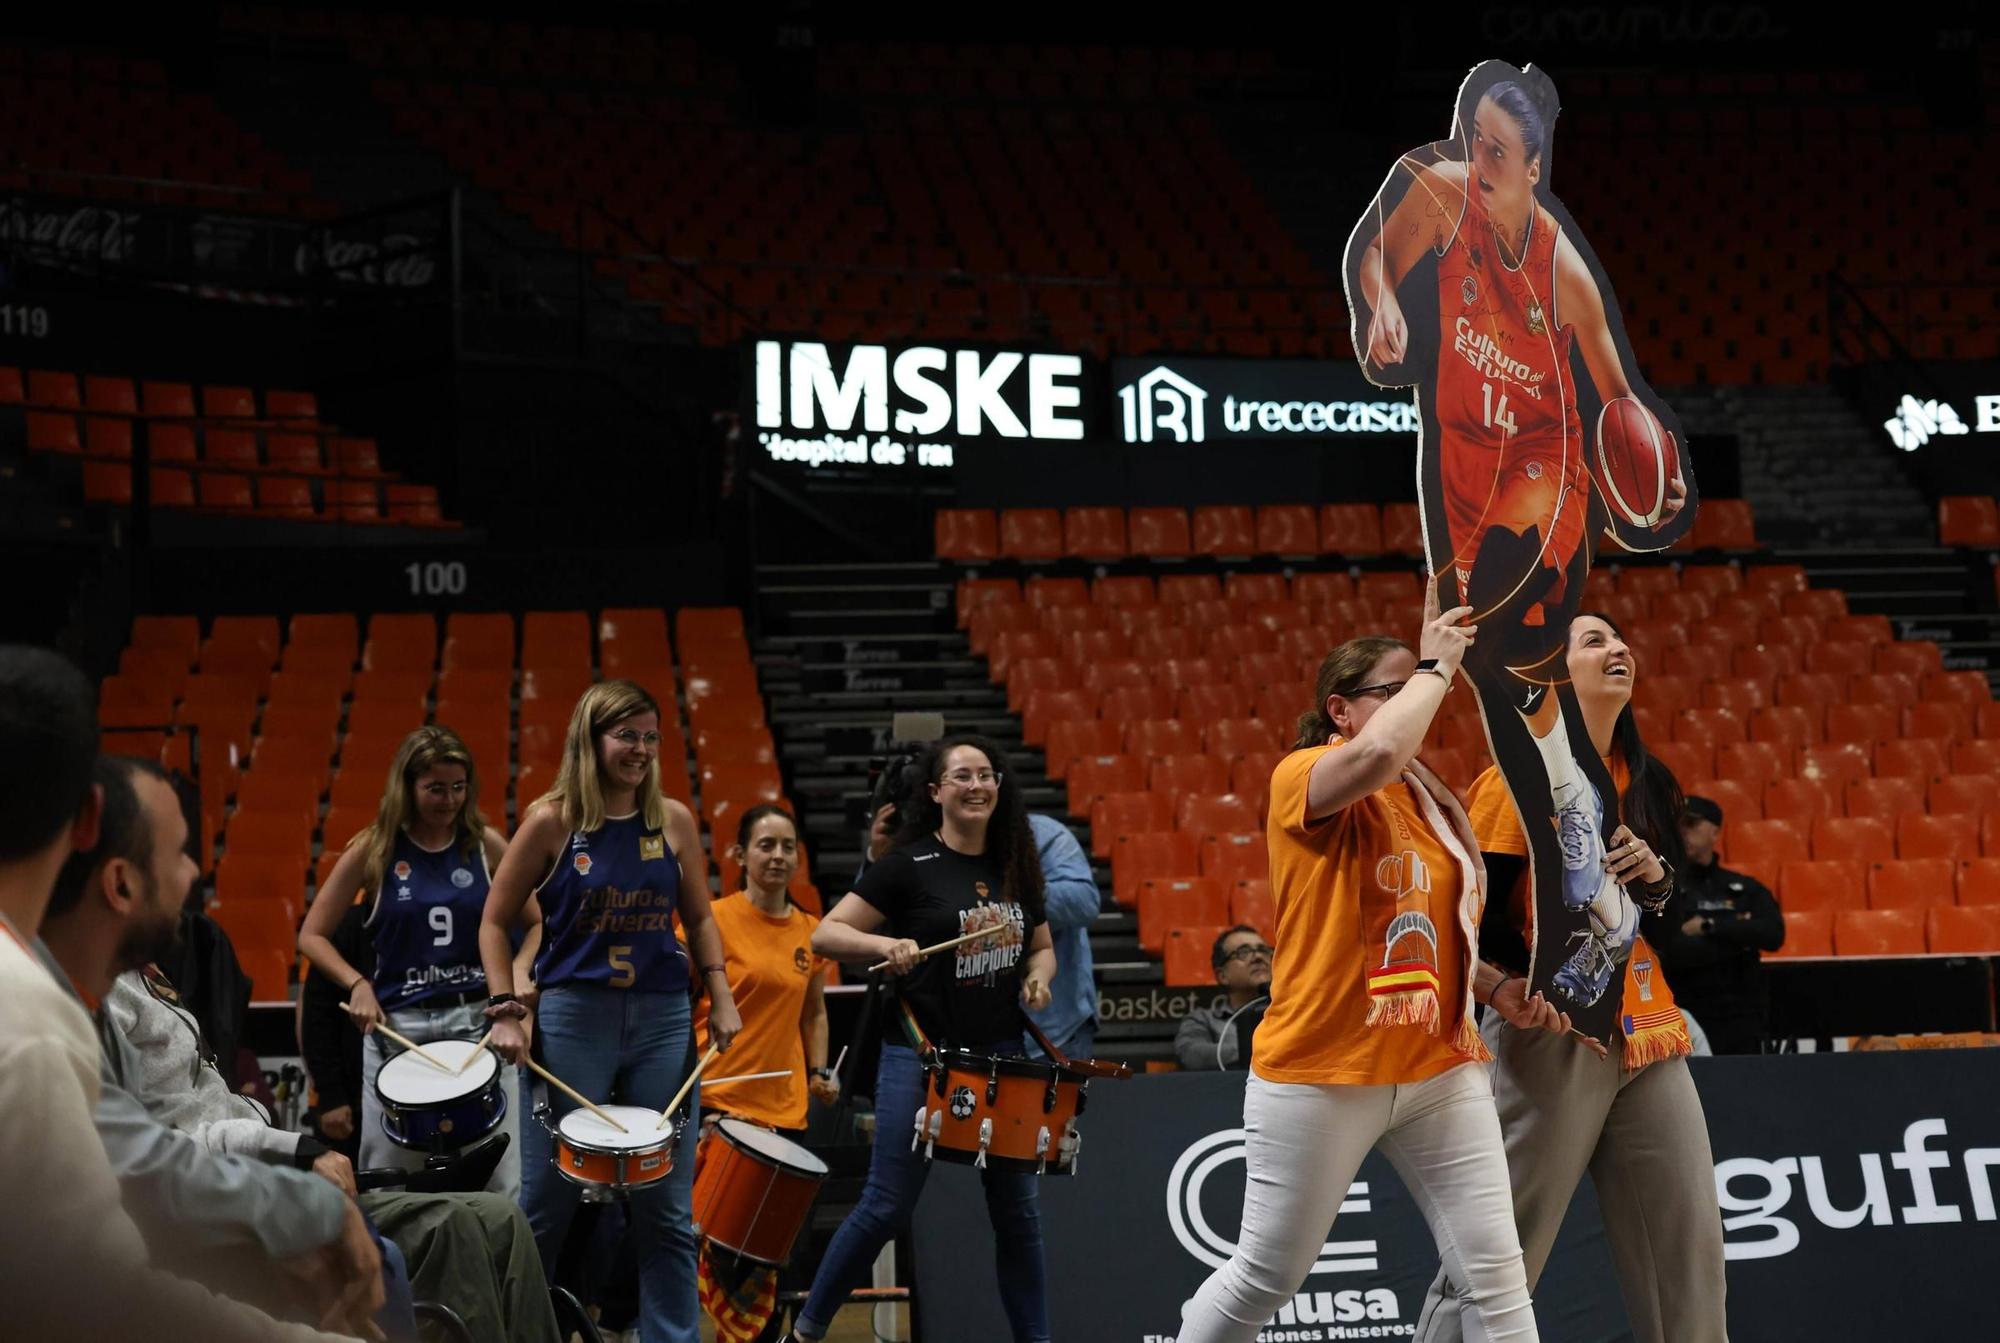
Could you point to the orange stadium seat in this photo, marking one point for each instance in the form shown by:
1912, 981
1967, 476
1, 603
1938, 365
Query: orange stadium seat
1031, 534
1094, 533
1188, 952
1911, 883
1878, 932
966, 534
1170, 902
1287, 529
1808, 932
1140, 855
1115, 814
1224, 530
1963, 931
1830, 884
1159, 533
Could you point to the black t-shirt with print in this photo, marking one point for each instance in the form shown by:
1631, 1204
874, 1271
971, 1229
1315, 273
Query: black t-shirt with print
968, 995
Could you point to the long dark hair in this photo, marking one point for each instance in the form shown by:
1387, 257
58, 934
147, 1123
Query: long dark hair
1008, 837
1342, 672
1653, 800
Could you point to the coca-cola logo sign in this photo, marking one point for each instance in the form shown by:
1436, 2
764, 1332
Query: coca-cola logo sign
85, 230
398, 260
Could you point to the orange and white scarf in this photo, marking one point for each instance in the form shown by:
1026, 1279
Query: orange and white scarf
1405, 990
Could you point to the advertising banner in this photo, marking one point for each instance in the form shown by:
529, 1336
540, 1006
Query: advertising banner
1857, 1195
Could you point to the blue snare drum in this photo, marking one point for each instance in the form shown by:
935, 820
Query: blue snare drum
432, 1110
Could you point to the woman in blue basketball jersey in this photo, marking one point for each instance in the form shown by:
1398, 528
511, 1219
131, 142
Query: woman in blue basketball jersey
613, 861
425, 865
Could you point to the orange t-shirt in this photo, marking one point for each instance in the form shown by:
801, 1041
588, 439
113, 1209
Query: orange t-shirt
1498, 828
1315, 1031
770, 963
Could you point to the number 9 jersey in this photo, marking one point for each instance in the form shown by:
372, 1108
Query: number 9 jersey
425, 924
608, 912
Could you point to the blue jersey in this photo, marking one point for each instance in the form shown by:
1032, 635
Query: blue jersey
426, 924
608, 912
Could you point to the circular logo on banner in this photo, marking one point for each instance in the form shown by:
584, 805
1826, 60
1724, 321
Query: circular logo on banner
461, 877
1203, 1158
961, 1103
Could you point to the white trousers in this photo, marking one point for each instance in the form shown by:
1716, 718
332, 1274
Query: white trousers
1302, 1149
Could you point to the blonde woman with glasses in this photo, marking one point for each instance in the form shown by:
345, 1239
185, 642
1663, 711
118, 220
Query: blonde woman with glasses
613, 862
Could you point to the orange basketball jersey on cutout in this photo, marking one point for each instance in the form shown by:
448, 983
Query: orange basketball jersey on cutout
1511, 448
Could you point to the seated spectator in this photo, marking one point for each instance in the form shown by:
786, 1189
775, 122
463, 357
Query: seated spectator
209, 1178
1711, 936
72, 1264
1218, 1037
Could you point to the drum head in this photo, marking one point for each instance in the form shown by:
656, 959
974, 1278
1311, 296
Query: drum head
773, 1147
408, 1079
585, 1129
1010, 1065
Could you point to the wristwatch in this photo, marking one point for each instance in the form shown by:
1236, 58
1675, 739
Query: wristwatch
825, 1074
1431, 665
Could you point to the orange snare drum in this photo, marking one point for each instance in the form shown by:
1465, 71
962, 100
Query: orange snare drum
591, 1153
1010, 1113
753, 1190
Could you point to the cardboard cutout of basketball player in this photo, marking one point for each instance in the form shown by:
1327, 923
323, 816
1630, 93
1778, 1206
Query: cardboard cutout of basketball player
1468, 280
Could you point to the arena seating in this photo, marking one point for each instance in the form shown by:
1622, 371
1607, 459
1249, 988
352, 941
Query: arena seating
220, 448
110, 127
279, 720
1858, 774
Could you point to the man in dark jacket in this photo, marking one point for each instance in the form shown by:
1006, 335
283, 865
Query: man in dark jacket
1711, 937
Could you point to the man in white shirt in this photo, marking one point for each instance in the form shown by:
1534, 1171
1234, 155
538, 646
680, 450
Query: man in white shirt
72, 1264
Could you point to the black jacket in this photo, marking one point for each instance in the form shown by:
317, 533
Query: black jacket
1717, 972
327, 1039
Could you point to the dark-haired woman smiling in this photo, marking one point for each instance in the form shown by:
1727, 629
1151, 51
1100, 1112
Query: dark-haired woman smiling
1633, 1119
964, 859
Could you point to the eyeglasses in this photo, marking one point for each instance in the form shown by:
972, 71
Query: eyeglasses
1385, 690
965, 778
625, 736
1248, 951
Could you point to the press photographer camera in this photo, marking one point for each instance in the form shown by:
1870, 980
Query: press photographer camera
893, 779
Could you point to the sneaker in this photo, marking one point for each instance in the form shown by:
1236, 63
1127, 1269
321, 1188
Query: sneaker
1587, 973
1582, 849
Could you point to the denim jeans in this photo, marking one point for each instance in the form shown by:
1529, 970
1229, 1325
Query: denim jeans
460, 1021
895, 1180
630, 1048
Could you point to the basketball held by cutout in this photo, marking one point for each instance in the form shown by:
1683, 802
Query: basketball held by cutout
1635, 459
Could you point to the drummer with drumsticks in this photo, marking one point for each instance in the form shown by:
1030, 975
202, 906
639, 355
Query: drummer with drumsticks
614, 863
423, 866
963, 871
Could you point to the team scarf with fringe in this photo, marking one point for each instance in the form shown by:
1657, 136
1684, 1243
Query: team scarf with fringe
1403, 986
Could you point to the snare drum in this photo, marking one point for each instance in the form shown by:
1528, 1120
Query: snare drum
432, 1110
753, 1190
595, 1155
1010, 1113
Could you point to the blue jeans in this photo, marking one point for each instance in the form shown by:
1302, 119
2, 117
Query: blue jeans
630, 1048
895, 1180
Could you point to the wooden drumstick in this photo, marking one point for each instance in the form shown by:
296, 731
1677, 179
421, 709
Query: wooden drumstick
747, 1077
946, 946
409, 1044
571, 1092
467, 1061
713, 1053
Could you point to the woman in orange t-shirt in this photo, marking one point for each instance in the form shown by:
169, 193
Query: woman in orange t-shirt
1378, 887
778, 984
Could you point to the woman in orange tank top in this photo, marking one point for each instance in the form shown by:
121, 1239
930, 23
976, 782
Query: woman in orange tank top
1378, 886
